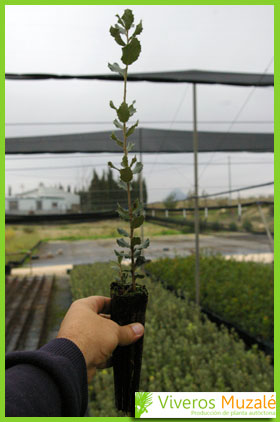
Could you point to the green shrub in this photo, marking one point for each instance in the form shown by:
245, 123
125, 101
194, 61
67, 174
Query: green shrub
170, 201
203, 226
28, 229
233, 227
241, 292
187, 229
247, 225
216, 226
183, 351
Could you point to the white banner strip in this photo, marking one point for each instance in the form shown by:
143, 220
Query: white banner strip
205, 405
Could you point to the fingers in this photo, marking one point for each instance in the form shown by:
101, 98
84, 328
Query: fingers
99, 304
130, 333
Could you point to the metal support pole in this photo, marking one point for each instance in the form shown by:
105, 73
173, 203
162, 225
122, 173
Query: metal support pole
271, 243
30, 261
206, 213
239, 211
141, 186
196, 211
229, 180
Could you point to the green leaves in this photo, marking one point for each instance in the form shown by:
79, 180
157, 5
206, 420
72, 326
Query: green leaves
135, 241
132, 109
130, 146
140, 261
122, 232
137, 253
137, 221
118, 124
126, 175
119, 257
132, 49
136, 207
123, 243
138, 29
131, 52
115, 32
118, 253
124, 214
110, 164
120, 28
144, 245
112, 105
132, 129
122, 185
116, 68
122, 254
134, 159
127, 18
123, 112
115, 138
138, 168
124, 162
120, 21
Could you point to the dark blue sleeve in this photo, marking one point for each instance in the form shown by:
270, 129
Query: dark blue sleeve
51, 381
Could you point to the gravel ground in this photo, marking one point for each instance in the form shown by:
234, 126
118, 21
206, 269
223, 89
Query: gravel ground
60, 253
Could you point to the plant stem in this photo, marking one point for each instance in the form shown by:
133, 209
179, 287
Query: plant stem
128, 184
131, 237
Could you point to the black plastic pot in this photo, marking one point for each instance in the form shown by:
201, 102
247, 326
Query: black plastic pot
126, 307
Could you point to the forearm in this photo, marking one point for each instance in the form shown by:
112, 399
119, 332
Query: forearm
51, 381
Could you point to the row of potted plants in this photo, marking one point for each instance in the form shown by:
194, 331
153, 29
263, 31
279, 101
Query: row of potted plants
182, 350
240, 292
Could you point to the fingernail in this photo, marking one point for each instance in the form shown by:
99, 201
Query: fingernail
138, 329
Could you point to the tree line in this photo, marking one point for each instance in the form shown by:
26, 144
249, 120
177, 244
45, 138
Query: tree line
104, 193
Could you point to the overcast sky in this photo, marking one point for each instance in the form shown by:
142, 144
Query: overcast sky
76, 39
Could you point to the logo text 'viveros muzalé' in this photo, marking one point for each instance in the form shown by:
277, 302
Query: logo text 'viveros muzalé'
210, 405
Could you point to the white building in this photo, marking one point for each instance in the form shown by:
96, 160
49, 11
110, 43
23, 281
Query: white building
43, 200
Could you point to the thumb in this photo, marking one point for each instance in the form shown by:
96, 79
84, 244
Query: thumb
130, 333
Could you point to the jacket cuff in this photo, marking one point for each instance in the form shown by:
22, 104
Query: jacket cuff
65, 363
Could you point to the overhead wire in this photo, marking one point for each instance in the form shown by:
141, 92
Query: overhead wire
232, 190
247, 99
166, 122
200, 196
64, 123
104, 164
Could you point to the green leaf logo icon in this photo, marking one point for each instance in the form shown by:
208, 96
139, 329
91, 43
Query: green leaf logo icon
142, 401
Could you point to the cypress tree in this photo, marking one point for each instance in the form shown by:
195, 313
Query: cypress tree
104, 193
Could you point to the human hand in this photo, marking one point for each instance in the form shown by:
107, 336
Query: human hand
89, 326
